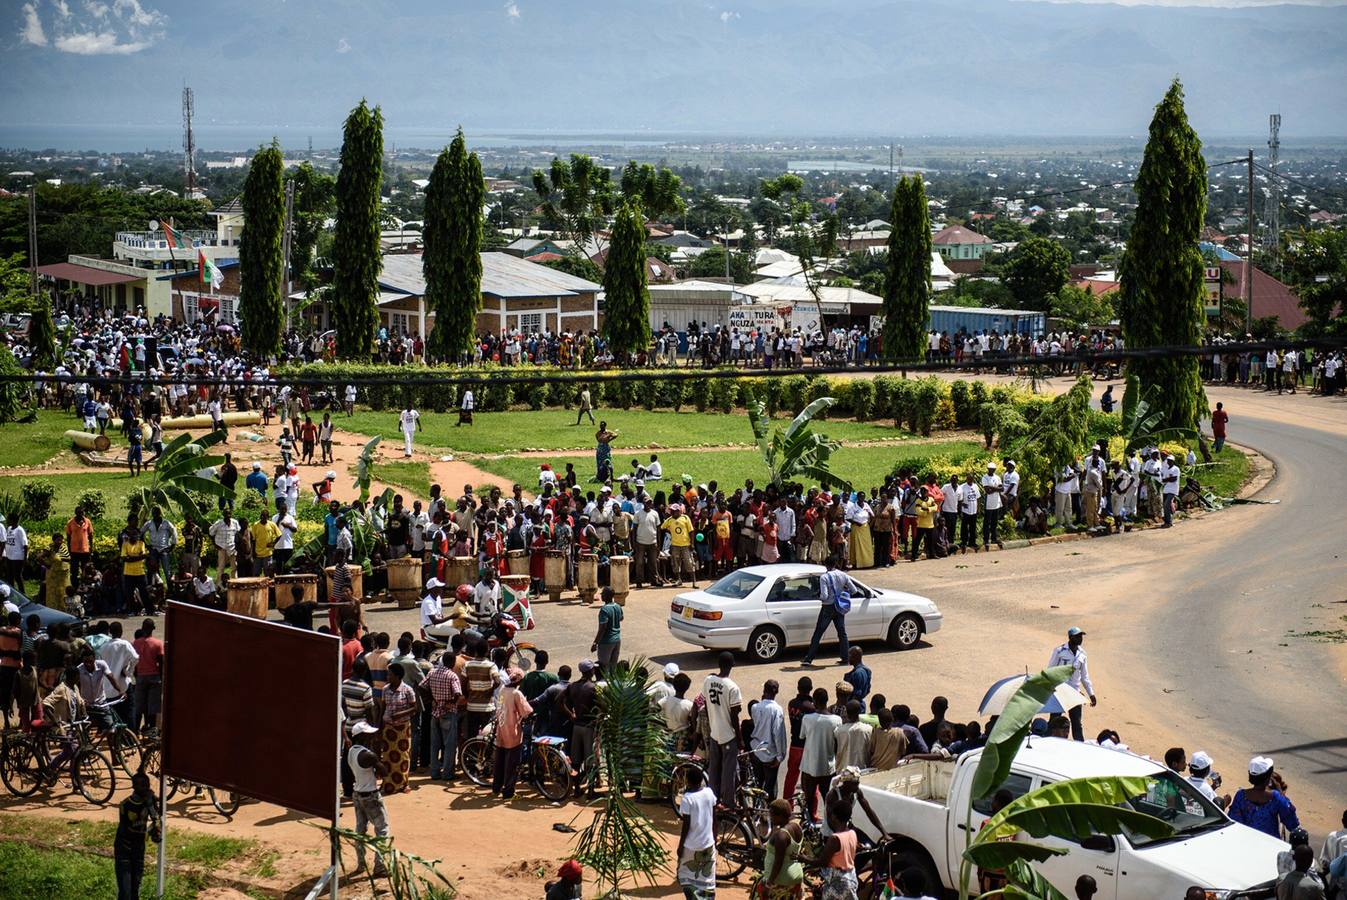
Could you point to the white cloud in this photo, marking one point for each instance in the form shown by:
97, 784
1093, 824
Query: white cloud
120, 27
32, 31
343, 46
728, 16
512, 10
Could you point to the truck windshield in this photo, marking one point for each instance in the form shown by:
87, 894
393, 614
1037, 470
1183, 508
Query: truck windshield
1174, 800
735, 586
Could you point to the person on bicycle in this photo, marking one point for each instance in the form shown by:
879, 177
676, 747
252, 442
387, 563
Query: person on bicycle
837, 857
94, 678
63, 705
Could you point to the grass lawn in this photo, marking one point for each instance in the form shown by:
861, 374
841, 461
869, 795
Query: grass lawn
556, 430
39, 872
35, 443
414, 476
1228, 472
865, 467
114, 483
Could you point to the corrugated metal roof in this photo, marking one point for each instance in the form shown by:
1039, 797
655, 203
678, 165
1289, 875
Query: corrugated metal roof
503, 275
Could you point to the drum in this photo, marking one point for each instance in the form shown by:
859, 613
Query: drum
517, 562
357, 580
619, 577
249, 596
587, 576
281, 585
517, 583
461, 570
554, 573
404, 581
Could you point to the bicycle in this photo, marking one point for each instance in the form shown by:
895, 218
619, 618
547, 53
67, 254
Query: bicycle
28, 763
748, 794
123, 744
543, 761
226, 803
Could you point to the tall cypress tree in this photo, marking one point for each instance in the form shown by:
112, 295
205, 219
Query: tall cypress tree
1161, 298
452, 260
260, 259
907, 292
626, 312
356, 257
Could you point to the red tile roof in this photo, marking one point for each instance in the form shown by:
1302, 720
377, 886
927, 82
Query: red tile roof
88, 274
1095, 286
957, 234
1270, 296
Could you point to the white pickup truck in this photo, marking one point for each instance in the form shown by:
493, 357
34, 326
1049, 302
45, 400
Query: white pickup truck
923, 803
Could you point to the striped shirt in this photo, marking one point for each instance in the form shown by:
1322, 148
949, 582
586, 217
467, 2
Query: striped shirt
357, 702
482, 677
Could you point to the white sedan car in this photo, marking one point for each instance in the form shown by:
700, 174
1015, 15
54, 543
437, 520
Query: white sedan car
765, 609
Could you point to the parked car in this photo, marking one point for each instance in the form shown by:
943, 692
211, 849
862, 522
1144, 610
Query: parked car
765, 609
26, 607
924, 803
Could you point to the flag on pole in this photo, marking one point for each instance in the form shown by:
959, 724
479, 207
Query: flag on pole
890, 891
172, 235
516, 603
210, 272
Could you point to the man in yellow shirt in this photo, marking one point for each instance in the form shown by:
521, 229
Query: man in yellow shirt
927, 509
679, 527
265, 533
134, 554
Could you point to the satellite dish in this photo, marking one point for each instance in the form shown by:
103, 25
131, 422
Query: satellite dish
154, 224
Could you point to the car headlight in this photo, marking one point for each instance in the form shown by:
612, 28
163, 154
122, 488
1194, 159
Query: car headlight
1257, 892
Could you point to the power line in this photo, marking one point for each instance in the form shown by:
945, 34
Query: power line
1309, 187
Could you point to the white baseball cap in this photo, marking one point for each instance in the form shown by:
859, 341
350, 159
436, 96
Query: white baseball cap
1260, 765
363, 727
671, 670
433, 582
1199, 761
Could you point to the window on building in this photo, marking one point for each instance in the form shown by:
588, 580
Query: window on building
530, 322
399, 323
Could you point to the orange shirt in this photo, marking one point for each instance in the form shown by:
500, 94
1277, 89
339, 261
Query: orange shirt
79, 536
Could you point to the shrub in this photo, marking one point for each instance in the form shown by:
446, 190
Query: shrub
965, 413
94, 504
497, 396
814, 390
699, 393
722, 394
863, 399
930, 391
649, 392
979, 394
904, 403
882, 408
944, 417
36, 497
793, 391
674, 392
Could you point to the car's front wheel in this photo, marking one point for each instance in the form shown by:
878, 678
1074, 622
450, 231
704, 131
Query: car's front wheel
766, 644
905, 632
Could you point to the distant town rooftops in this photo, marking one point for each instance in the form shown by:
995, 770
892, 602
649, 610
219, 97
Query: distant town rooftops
957, 234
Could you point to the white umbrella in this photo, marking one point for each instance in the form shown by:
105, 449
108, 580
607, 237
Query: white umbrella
1064, 697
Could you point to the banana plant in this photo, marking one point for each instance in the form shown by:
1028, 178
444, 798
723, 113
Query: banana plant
795, 452
174, 478
1141, 420
364, 468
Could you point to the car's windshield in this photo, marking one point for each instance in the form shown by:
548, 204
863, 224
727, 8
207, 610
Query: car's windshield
1177, 802
735, 586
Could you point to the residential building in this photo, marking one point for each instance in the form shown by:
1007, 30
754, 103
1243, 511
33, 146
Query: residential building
958, 242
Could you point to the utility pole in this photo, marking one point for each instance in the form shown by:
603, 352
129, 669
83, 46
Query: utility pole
32, 238
1272, 211
1248, 252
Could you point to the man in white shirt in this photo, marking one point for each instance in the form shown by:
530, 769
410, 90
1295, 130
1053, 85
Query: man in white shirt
992, 488
418, 522
1199, 769
486, 596
654, 471
723, 705
696, 854
949, 511
1289, 360
1073, 654
16, 550
1169, 480
432, 605
646, 564
969, 494
1067, 484
121, 658
465, 408
350, 400
409, 422
284, 547
818, 758
222, 533
785, 530
768, 741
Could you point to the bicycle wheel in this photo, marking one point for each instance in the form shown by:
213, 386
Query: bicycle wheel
734, 847
551, 772
678, 782
753, 802
21, 769
477, 758
226, 803
92, 775
126, 749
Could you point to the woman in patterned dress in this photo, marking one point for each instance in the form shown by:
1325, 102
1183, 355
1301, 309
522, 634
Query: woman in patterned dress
399, 702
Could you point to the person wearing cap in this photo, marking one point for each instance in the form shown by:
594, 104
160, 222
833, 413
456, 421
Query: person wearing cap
432, 605
1073, 654
1199, 770
1169, 480
992, 504
1264, 805
1010, 490
511, 710
257, 480
366, 766
569, 884
323, 489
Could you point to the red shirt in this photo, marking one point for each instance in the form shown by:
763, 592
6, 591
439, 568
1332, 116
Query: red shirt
1218, 420
151, 651
349, 651
308, 432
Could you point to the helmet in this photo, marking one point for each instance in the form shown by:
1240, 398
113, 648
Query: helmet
463, 593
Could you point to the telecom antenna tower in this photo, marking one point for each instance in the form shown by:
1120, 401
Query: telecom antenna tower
1272, 213
188, 146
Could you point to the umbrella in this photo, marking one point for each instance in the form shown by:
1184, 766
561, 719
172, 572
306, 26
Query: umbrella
1063, 697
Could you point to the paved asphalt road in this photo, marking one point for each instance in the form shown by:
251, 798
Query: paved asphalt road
1189, 629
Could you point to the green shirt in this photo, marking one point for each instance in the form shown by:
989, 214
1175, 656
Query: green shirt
535, 683
610, 614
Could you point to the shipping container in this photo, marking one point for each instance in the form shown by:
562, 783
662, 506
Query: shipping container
971, 319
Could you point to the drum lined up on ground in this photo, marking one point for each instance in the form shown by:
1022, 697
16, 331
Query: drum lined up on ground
619, 577
461, 570
404, 581
249, 596
357, 580
554, 573
517, 562
587, 576
519, 584
280, 589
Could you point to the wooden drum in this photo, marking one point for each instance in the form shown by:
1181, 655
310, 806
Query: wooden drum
619, 577
404, 581
249, 596
357, 580
554, 573
461, 570
281, 585
517, 562
587, 576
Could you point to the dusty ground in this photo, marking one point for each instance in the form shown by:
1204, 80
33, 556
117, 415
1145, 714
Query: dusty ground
1194, 640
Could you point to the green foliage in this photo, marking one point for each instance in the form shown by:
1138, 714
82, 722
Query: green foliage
410, 877
711, 264
36, 499
862, 399
626, 317
621, 841
577, 197
929, 392
907, 294
14, 395
356, 251
94, 504
965, 411
261, 260
1316, 266
315, 199
1076, 809
657, 191
1057, 434
1035, 271
1011, 728
1143, 416
452, 261
794, 452
1080, 308
579, 266
1162, 297
175, 483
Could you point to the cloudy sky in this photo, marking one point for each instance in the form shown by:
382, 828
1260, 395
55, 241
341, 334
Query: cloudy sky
861, 67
